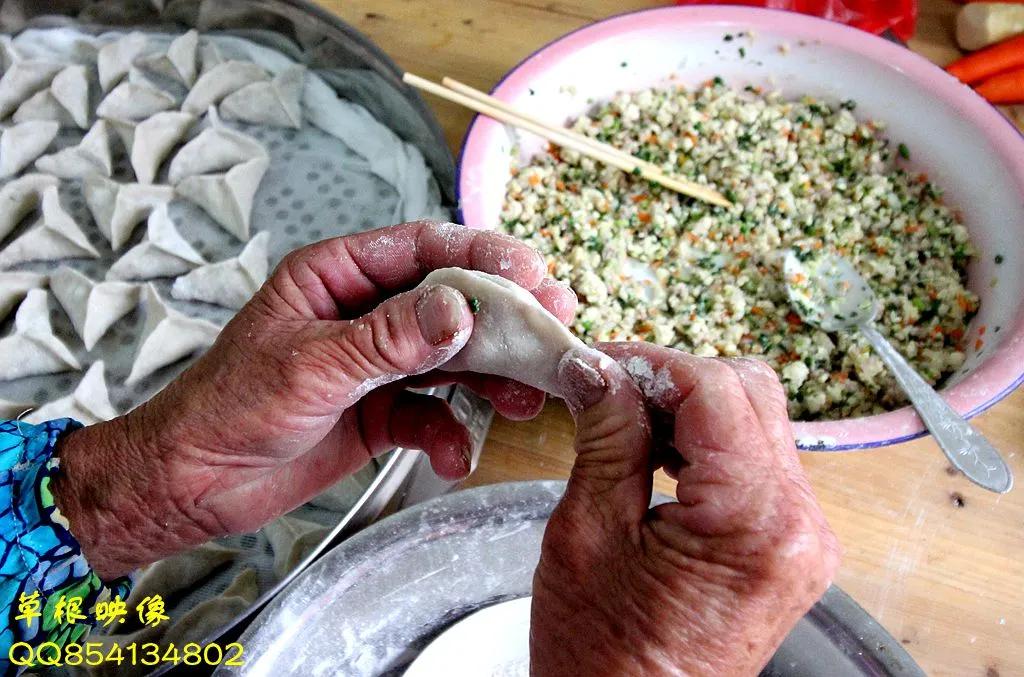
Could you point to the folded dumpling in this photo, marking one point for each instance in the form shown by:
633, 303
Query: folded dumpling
14, 286
164, 252
219, 81
119, 207
167, 337
93, 307
178, 573
115, 59
92, 155
217, 148
32, 349
150, 141
227, 198
88, 404
55, 237
19, 197
43, 106
292, 539
277, 103
21, 144
70, 88
23, 79
180, 62
134, 101
205, 618
229, 283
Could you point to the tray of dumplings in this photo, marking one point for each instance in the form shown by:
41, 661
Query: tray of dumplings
151, 175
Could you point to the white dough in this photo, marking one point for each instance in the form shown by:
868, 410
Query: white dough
88, 404
21, 144
150, 141
292, 539
167, 337
14, 286
23, 79
228, 198
115, 59
56, 236
164, 252
180, 62
119, 207
217, 148
513, 334
277, 103
12, 410
230, 283
32, 349
219, 81
43, 106
19, 197
71, 90
93, 307
134, 101
91, 156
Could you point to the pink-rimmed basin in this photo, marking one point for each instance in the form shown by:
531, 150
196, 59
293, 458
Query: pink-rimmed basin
966, 146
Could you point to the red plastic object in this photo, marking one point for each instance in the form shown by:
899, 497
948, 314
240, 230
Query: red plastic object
874, 16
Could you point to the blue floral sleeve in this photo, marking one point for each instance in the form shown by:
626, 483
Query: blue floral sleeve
47, 590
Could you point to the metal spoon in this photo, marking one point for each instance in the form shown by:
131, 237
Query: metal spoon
829, 293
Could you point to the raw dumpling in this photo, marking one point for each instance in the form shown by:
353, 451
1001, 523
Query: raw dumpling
19, 197
292, 539
91, 156
134, 101
119, 207
70, 88
21, 144
178, 573
14, 286
12, 410
216, 149
32, 349
55, 237
115, 59
229, 283
23, 79
513, 334
219, 81
150, 141
43, 106
167, 337
227, 198
164, 252
207, 617
88, 404
92, 306
180, 62
277, 103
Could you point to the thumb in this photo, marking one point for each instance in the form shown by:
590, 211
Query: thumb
408, 334
612, 471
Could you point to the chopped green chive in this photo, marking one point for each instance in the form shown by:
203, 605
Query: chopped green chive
474, 304
999, 259
904, 151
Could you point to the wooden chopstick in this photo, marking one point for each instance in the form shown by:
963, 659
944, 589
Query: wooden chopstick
568, 139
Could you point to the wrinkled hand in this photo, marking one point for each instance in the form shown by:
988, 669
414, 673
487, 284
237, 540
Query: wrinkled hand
706, 586
303, 387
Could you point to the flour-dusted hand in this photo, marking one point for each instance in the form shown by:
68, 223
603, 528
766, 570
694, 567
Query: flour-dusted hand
304, 386
708, 585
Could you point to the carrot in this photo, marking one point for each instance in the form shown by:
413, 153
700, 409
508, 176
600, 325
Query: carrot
983, 64
1004, 88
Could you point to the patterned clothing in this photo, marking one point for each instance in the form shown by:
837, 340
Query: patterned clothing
42, 568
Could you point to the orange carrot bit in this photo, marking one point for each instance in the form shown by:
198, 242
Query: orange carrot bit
1005, 88
534, 180
912, 228
757, 310
957, 334
560, 185
639, 198
978, 344
644, 217
937, 330
982, 329
793, 319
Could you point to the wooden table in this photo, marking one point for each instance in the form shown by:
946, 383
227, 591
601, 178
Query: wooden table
937, 561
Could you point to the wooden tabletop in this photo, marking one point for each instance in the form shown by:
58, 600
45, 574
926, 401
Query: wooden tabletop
937, 561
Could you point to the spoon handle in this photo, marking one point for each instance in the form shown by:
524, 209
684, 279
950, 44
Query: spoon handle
965, 447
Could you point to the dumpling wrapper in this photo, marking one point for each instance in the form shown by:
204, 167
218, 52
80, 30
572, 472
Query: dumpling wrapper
93, 307
70, 88
180, 62
230, 283
292, 539
23, 79
43, 106
513, 334
32, 349
19, 197
13, 288
150, 141
119, 207
91, 156
221, 80
167, 337
277, 103
12, 410
164, 252
227, 198
217, 148
21, 144
134, 101
55, 237
115, 59
88, 404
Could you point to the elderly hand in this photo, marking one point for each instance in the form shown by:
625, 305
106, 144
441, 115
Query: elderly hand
304, 386
706, 586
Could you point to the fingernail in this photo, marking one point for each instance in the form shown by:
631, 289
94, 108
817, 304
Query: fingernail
439, 313
579, 374
467, 459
